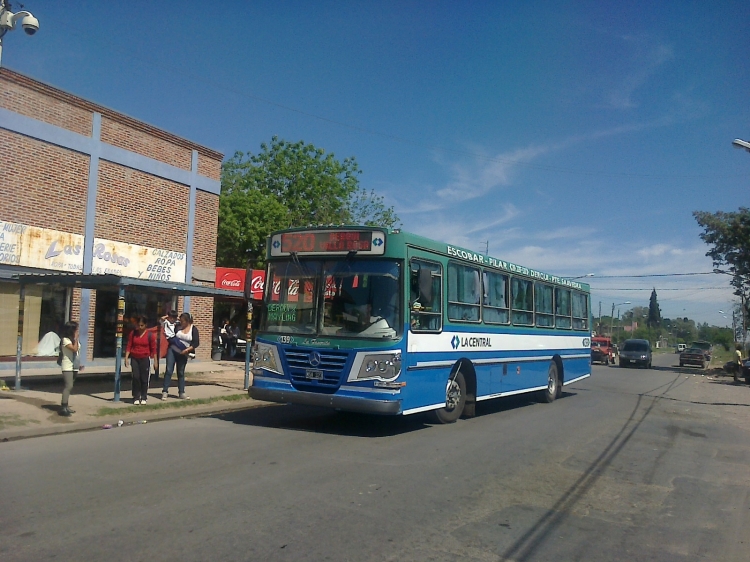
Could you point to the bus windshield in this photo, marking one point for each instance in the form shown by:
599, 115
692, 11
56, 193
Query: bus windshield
346, 297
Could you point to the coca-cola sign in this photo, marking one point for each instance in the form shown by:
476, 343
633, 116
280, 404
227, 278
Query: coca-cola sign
257, 283
230, 278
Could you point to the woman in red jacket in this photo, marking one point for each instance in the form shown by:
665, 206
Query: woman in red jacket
141, 347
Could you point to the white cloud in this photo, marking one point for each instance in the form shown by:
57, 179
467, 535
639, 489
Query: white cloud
647, 58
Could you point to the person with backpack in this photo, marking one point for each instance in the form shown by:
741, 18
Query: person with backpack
68, 359
141, 347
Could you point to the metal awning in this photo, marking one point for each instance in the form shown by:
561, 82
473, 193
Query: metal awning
98, 281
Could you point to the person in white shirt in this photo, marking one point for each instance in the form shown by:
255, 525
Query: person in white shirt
70, 363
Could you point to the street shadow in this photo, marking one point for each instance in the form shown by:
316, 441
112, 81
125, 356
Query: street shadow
351, 424
321, 420
510, 403
546, 527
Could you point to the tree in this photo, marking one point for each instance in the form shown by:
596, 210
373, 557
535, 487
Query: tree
284, 185
729, 236
654, 314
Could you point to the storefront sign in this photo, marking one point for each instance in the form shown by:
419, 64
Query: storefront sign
233, 279
142, 262
42, 248
45, 248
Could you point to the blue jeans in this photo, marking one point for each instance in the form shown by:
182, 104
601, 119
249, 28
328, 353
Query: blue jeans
174, 358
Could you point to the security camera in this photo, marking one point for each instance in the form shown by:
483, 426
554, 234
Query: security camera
30, 24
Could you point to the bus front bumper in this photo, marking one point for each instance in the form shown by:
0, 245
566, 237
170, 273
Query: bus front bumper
347, 403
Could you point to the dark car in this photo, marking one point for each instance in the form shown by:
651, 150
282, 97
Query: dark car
636, 352
705, 346
693, 356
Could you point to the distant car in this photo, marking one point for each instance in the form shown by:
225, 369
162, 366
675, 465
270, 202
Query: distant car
693, 356
681, 347
602, 350
636, 352
705, 346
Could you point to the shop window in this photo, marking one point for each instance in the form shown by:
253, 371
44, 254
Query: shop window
46, 309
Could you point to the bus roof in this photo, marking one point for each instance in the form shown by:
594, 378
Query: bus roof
450, 251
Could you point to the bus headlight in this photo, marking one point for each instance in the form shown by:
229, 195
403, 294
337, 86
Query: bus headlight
266, 356
380, 365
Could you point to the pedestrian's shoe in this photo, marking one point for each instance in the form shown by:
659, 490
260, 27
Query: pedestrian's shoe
184, 396
137, 401
143, 402
64, 411
71, 410
164, 395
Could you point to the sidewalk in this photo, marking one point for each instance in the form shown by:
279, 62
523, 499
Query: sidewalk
213, 386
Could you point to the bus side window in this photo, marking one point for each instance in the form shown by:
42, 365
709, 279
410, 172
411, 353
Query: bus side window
425, 313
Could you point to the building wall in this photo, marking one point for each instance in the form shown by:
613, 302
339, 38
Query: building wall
153, 211
138, 200
42, 185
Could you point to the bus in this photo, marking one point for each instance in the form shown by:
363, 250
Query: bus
382, 321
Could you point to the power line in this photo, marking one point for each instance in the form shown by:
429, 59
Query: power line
653, 275
663, 289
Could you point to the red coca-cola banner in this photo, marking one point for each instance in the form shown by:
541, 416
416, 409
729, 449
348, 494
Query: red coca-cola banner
233, 279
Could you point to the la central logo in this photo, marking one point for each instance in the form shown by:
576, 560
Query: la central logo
455, 342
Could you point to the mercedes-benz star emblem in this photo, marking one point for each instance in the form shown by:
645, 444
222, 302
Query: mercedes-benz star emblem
314, 358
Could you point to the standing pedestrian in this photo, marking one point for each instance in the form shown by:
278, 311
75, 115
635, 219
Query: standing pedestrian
738, 357
187, 335
170, 324
142, 347
70, 363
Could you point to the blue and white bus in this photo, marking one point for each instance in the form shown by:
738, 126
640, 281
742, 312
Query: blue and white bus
382, 321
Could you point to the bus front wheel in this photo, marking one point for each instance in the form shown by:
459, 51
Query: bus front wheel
553, 384
455, 399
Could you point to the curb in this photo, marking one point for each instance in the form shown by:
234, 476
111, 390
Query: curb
134, 419
29, 380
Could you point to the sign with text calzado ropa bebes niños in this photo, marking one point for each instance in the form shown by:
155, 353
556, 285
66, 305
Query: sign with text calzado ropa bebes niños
131, 260
44, 248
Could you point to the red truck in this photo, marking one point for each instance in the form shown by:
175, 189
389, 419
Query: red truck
602, 350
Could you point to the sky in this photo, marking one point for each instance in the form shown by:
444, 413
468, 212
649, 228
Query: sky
568, 137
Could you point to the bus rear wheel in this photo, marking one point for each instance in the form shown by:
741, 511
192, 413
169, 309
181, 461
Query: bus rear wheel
455, 399
553, 384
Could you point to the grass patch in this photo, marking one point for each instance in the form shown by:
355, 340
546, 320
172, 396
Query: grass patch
14, 421
171, 404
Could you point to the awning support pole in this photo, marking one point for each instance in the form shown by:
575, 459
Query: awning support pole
248, 342
19, 342
118, 347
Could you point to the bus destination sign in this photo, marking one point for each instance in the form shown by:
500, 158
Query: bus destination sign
328, 242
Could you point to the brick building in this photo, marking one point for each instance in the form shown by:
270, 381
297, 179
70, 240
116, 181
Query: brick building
86, 189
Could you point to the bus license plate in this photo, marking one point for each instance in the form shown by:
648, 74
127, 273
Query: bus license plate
314, 374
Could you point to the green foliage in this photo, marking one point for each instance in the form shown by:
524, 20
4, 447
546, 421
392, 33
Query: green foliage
654, 313
284, 185
729, 236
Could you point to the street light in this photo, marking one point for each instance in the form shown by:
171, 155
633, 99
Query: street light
739, 143
612, 317
8, 21
579, 277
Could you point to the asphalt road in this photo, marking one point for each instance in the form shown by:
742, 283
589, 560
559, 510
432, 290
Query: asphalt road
631, 464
